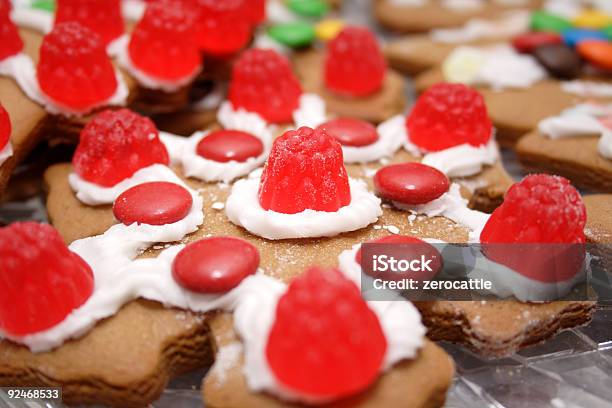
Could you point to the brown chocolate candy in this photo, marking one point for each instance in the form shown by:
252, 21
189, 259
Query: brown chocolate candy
559, 60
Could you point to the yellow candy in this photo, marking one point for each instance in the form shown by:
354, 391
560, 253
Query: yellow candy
592, 19
328, 29
463, 65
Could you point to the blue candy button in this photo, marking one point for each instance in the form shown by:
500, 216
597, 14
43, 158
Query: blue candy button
575, 35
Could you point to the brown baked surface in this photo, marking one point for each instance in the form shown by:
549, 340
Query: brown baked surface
599, 223
575, 158
375, 108
419, 19
422, 382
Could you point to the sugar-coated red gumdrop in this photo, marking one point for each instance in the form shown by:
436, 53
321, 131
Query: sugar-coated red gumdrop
354, 64
215, 265
41, 280
325, 341
545, 210
448, 115
100, 16
257, 10
154, 203
10, 42
528, 42
410, 183
163, 44
351, 132
263, 82
225, 26
116, 144
5, 127
227, 145
305, 170
74, 69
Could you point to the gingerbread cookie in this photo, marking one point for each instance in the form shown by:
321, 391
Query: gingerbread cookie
575, 144
424, 15
352, 77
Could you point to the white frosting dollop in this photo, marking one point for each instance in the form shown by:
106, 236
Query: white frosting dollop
21, 68
509, 25
6, 152
454, 207
133, 10
183, 151
587, 89
498, 67
564, 8
310, 112
243, 209
390, 139
24, 15
463, 160
93, 194
463, 5
581, 121
120, 49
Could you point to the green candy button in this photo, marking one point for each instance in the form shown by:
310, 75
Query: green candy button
308, 8
543, 21
294, 35
607, 31
46, 5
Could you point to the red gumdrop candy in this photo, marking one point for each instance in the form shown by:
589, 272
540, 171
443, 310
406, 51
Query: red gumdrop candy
74, 69
154, 203
225, 26
10, 42
325, 342
41, 280
354, 64
162, 44
257, 10
528, 42
541, 209
448, 115
227, 145
263, 82
5, 127
100, 16
304, 171
410, 183
116, 144
351, 132
215, 265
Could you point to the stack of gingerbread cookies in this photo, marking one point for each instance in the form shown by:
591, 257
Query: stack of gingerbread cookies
212, 169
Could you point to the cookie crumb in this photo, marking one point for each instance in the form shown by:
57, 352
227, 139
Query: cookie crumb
392, 229
218, 205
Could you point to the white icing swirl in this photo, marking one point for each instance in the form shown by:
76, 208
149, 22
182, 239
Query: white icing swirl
310, 112
389, 141
587, 89
243, 209
605, 145
93, 194
21, 68
183, 150
511, 24
6, 152
454, 207
498, 67
24, 15
463, 160
120, 49
133, 10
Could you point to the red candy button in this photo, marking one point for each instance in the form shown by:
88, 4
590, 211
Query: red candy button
351, 132
226, 145
597, 52
5, 127
155, 203
528, 42
215, 265
410, 183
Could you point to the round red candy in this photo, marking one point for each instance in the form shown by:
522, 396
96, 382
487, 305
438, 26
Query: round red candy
215, 265
155, 203
351, 132
410, 183
528, 42
5, 127
100, 16
227, 145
